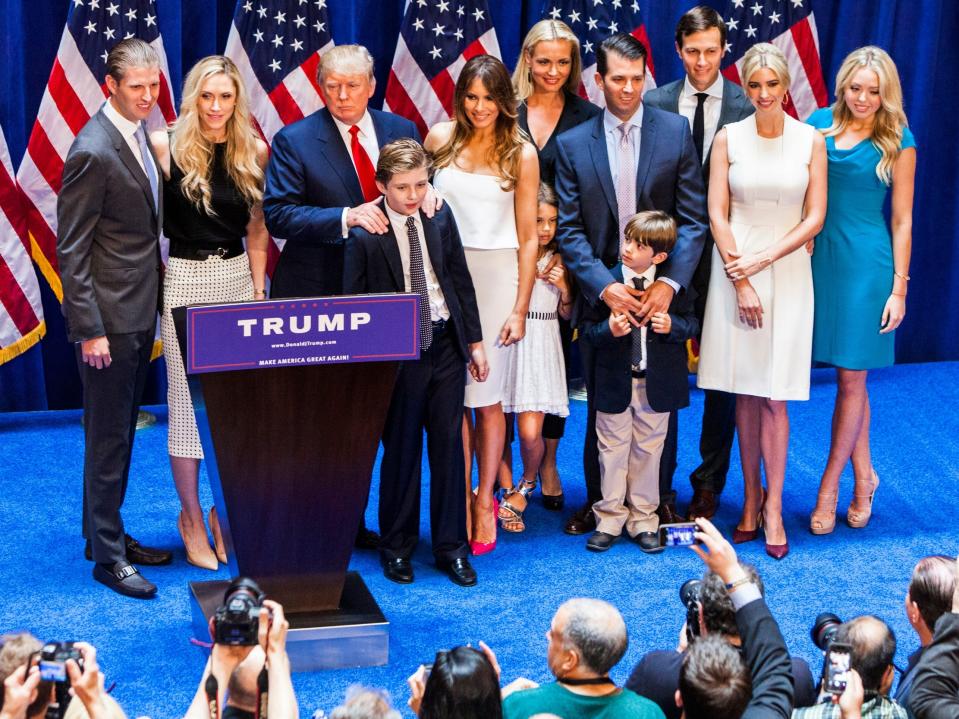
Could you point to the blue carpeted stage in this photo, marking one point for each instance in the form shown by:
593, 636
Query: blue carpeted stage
46, 588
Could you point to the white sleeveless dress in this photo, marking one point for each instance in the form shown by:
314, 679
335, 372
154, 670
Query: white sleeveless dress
486, 222
767, 185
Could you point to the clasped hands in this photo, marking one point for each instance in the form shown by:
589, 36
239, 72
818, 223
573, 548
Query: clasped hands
638, 306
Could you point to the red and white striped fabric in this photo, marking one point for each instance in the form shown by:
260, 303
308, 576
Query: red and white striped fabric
73, 95
435, 42
21, 312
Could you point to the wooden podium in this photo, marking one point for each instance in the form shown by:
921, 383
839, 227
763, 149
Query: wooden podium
291, 397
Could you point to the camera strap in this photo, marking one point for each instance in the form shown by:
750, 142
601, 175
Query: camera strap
211, 686
262, 693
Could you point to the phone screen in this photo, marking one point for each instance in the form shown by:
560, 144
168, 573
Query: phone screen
678, 535
838, 659
53, 671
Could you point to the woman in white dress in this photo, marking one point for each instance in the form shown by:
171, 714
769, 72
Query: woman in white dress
767, 199
489, 174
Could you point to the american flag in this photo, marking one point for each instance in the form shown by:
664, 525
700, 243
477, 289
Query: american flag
593, 21
21, 313
790, 26
436, 39
277, 45
74, 93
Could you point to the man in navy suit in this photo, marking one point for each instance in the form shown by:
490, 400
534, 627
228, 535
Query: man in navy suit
709, 102
320, 183
630, 158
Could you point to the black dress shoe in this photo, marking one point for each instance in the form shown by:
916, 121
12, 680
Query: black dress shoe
649, 542
705, 502
398, 569
367, 539
583, 521
137, 553
600, 541
553, 502
124, 578
667, 513
460, 571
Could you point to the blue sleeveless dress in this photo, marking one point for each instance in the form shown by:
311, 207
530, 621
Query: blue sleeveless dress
852, 264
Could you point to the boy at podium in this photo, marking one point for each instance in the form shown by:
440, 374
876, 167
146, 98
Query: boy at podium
424, 256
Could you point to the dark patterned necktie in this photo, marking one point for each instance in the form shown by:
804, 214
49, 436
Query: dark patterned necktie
418, 284
637, 355
699, 124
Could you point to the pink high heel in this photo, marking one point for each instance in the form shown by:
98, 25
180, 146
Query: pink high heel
479, 548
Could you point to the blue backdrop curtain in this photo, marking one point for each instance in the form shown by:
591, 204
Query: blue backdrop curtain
919, 34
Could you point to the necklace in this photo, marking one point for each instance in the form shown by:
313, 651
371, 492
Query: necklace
573, 682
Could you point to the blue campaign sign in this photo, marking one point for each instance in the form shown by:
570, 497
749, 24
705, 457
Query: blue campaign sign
302, 331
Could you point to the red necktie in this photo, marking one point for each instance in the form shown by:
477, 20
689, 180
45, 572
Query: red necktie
364, 168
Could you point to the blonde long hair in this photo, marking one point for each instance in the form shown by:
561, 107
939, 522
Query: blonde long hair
545, 31
890, 117
507, 150
193, 153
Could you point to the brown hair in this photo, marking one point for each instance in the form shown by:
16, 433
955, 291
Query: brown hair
131, 52
547, 195
507, 150
932, 586
654, 229
700, 18
401, 156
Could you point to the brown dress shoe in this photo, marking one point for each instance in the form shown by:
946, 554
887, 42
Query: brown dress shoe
704, 504
667, 513
583, 521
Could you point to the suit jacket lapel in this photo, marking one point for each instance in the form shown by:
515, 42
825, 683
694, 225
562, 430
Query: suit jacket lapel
337, 156
433, 245
126, 156
673, 97
392, 253
601, 163
646, 146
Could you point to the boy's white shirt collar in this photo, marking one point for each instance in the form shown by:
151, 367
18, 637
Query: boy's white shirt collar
629, 274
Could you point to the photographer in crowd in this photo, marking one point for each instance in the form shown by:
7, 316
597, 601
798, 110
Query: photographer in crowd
935, 689
717, 681
872, 648
710, 612
928, 598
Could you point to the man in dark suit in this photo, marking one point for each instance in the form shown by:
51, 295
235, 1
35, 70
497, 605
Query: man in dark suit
709, 102
320, 183
109, 216
662, 172
422, 255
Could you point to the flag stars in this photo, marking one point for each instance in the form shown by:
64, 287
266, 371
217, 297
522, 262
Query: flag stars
94, 4
300, 21
458, 34
280, 17
436, 52
418, 24
556, 13
131, 15
574, 17
320, 26
478, 15
77, 3
613, 28
443, 6
635, 6
320, 4
113, 9
728, 47
774, 17
738, 3
247, 6
128, 36
275, 65
732, 24
750, 31
460, 11
150, 20
617, 3
109, 33
261, 11
592, 23
104, 56
757, 9
297, 45
797, 3
91, 27
277, 41
438, 29
258, 35
587, 47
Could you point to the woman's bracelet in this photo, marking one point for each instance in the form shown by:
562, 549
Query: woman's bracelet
259, 292
901, 277
898, 294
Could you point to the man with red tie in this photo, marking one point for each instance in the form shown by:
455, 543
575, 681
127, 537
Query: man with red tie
320, 183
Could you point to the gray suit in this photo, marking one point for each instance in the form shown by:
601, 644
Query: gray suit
109, 254
719, 412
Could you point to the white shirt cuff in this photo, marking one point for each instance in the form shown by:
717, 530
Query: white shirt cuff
674, 285
745, 594
343, 228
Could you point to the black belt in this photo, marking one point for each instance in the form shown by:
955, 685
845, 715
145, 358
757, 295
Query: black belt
541, 315
439, 327
186, 252
639, 374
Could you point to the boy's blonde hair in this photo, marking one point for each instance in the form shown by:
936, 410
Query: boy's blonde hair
654, 229
401, 156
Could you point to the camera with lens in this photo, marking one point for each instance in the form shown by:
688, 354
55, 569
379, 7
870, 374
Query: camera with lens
824, 629
53, 661
237, 621
837, 655
691, 595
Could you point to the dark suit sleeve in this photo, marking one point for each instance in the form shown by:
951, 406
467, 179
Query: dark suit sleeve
79, 205
287, 208
598, 333
354, 265
768, 660
935, 690
591, 274
462, 280
685, 324
690, 214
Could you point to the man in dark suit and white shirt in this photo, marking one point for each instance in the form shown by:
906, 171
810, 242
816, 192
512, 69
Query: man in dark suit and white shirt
709, 102
662, 172
109, 217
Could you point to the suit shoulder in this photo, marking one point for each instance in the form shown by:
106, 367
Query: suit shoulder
302, 128
578, 134
360, 237
658, 96
669, 119
391, 118
583, 106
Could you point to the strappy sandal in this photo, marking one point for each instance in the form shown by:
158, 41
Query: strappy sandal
858, 519
511, 518
823, 521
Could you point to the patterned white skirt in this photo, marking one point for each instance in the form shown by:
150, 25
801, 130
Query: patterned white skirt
188, 282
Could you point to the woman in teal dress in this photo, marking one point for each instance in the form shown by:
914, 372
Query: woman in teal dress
860, 269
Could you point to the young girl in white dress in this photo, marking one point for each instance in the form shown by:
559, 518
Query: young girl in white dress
537, 376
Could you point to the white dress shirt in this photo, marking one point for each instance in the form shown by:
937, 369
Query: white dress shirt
367, 138
438, 308
128, 129
649, 275
711, 109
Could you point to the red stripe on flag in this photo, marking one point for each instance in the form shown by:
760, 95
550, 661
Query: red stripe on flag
272, 257
806, 45
165, 101
309, 69
789, 106
731, 73
15, 302
45, 157
45, 238
445, 89
473, 49
285, 105
400, 103
67, 102
640, 34
11, 206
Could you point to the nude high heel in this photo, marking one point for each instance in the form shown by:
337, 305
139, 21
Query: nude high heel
859, 519
198, 550
217, 536
823, 521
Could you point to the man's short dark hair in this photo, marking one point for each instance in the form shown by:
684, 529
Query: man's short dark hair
714, 681
622, 44
873, 647
932, 585
719, 615
700, 18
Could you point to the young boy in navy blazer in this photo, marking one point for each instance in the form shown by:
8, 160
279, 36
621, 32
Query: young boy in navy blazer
641, 377
425, 256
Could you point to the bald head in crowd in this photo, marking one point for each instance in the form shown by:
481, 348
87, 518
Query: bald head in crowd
873, 647
588, 635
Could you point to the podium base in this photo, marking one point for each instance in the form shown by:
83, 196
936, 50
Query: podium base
355, 635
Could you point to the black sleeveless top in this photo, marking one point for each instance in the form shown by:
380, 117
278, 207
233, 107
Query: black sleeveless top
187, 226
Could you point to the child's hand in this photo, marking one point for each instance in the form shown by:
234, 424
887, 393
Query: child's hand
662, 323
619, 324
557, 278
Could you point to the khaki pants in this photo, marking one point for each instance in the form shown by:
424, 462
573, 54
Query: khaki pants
630, 446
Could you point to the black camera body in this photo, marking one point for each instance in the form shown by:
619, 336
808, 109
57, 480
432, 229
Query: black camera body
836, 655
691, 595
824, 629
237, 621
53, 661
